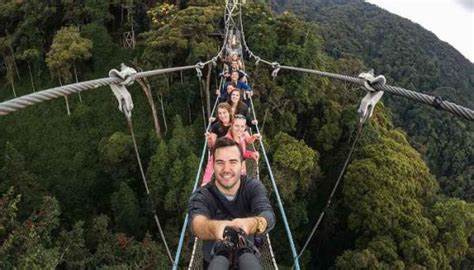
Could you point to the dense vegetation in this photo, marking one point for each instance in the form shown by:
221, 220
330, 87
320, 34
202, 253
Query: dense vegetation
411, 57
71, 190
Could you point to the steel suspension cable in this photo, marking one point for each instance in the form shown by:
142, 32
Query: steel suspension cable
334, 189
436, 102
16, 104
257, 172
279, 201
145, 183
196, 182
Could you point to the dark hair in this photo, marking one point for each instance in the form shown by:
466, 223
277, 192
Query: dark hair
226, 142
241, 107
226, 106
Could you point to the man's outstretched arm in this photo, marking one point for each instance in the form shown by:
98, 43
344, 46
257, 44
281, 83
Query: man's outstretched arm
207, 229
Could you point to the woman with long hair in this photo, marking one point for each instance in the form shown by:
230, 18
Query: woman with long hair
220, 126
238, 107
218, 129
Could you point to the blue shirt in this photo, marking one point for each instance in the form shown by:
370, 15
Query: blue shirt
240, 85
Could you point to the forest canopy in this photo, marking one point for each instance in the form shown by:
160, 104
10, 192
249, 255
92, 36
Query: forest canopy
71, 194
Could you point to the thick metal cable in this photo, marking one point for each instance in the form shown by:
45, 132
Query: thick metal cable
436, 102
196, 181
334, 189
277, 194
145, 183
267, 237
16, 104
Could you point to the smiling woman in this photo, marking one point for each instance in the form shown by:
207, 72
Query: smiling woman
440, 17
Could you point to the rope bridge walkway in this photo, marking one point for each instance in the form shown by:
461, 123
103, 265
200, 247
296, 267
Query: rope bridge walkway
374, 86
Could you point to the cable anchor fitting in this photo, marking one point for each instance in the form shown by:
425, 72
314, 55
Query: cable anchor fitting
276, 68
199, 67
125, 102
257, 60
214, 61
367, 104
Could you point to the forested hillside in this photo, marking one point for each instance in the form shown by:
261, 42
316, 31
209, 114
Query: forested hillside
71, 192
412, 57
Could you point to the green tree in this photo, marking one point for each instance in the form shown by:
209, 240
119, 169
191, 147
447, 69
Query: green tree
67, 49
126, 209
28, 244
15, 173
117, 156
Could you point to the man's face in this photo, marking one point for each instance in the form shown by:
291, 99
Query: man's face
227, 166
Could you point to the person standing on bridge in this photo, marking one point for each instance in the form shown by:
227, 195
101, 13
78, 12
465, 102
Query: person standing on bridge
230, 201
224, 92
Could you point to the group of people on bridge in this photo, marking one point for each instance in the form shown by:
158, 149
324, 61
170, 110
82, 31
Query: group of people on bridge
231, 212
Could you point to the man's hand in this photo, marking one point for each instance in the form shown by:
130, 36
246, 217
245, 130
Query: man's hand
220, 227
218, 93
248, 225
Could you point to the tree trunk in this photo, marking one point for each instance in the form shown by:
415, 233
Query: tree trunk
163, 114
10, 73
208, 90
65, 98
31, 76
75, 75
13, 58
190, 115
264, 120
13, 87
147, 89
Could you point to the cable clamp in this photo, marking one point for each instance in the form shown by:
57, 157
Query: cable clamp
199, 67
367, 105
276, 68
257, 60
125, 102
371, 80
437, 101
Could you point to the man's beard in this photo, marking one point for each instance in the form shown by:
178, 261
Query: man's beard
229, 186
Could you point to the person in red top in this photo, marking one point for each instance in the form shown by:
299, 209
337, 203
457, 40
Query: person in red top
238, 133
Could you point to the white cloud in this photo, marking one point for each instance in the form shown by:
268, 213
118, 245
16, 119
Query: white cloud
468, 4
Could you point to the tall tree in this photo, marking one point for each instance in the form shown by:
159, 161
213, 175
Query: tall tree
67, 49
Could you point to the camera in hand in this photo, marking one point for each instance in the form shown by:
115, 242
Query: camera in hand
235, 244
234, 238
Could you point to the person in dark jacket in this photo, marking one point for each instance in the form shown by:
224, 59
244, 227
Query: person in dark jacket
238, 107
229, 201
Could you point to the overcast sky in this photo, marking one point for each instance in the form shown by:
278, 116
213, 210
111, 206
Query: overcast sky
450, 20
